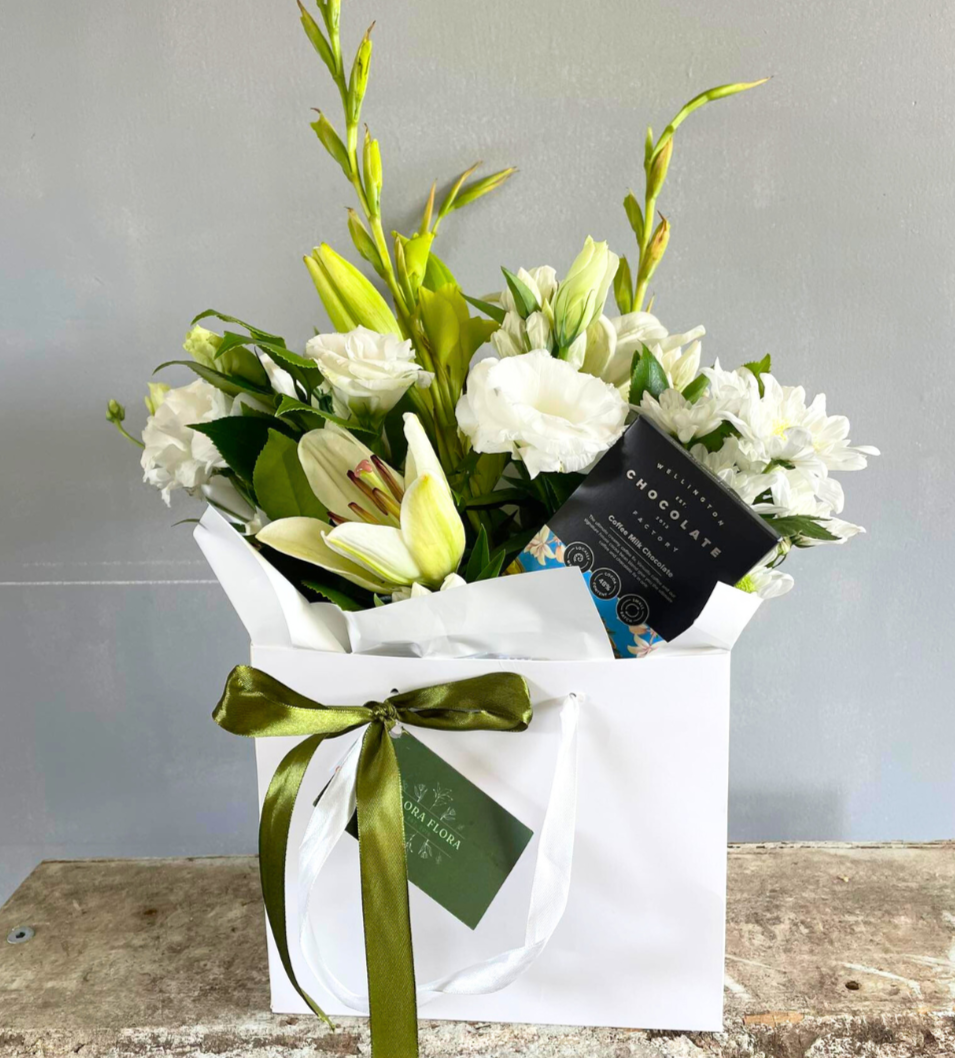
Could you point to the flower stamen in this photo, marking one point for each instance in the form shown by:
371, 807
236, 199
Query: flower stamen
389, 479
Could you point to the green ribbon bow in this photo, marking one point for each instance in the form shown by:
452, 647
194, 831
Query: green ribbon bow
256, 705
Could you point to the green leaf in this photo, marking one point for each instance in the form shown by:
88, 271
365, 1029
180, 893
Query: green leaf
437, 274
714, 440
497, 499
239, 439
280, 484
480, 557
523, 298
646, 376
256, 332
339, 598
494, 311
695, 389
493, 567
800, 525
759, 368
231, 384
289, 407
288, 428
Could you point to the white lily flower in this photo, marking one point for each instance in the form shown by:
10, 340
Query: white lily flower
452, 580
390, 546
542, 410
368, 372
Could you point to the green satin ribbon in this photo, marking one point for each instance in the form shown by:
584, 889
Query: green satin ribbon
258, 706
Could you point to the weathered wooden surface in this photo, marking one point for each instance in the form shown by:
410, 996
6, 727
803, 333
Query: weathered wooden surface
832, 950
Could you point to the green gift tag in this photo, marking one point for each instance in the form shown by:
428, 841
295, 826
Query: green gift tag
461, 844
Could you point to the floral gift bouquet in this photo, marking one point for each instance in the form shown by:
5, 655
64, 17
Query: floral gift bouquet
447, 523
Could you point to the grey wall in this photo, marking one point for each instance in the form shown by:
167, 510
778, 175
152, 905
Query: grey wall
157, 160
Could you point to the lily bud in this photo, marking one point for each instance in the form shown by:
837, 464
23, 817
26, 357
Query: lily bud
581, 296
371, 166
157, 394
349, 298
358, 82
332, 143
658, 169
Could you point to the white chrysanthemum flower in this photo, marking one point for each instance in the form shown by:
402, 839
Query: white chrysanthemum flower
729, 389
779, 426
174, 456
676, 415
368, 372
542, 410
766, 583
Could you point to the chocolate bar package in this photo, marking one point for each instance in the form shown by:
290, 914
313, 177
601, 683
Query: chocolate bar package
653, 532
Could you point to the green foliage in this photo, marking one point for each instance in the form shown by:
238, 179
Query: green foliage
483, 564
280, 484
494, 311
800, 525
240, 440
231, 384
646, 375
340, 598
523, 297
760, 368
315, 418
692, 391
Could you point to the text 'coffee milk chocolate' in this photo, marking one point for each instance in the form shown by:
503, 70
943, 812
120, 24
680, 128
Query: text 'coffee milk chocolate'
653, 532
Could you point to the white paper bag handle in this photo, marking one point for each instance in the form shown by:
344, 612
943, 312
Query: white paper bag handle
549, 891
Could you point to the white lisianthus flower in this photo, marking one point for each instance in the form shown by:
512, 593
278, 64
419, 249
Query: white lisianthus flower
542, 410
174, 456
676, 415
279, 379
368, 372
540, 281
611, 343
581, 295
517, 335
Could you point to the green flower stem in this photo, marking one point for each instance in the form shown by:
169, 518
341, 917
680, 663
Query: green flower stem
649, 211
129, 437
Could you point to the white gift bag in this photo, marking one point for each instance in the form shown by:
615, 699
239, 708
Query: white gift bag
630, 933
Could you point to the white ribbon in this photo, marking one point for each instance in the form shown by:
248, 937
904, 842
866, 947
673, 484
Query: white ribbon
549, 890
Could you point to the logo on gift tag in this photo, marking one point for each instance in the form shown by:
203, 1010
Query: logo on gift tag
460, 844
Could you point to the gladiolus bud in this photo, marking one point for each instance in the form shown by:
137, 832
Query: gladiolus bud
655, 250
658, 169
315, 35
371, 166
363, 241
358, 82
332, 143
634, 215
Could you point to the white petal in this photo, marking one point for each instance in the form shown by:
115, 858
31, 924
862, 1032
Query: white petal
380, 549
